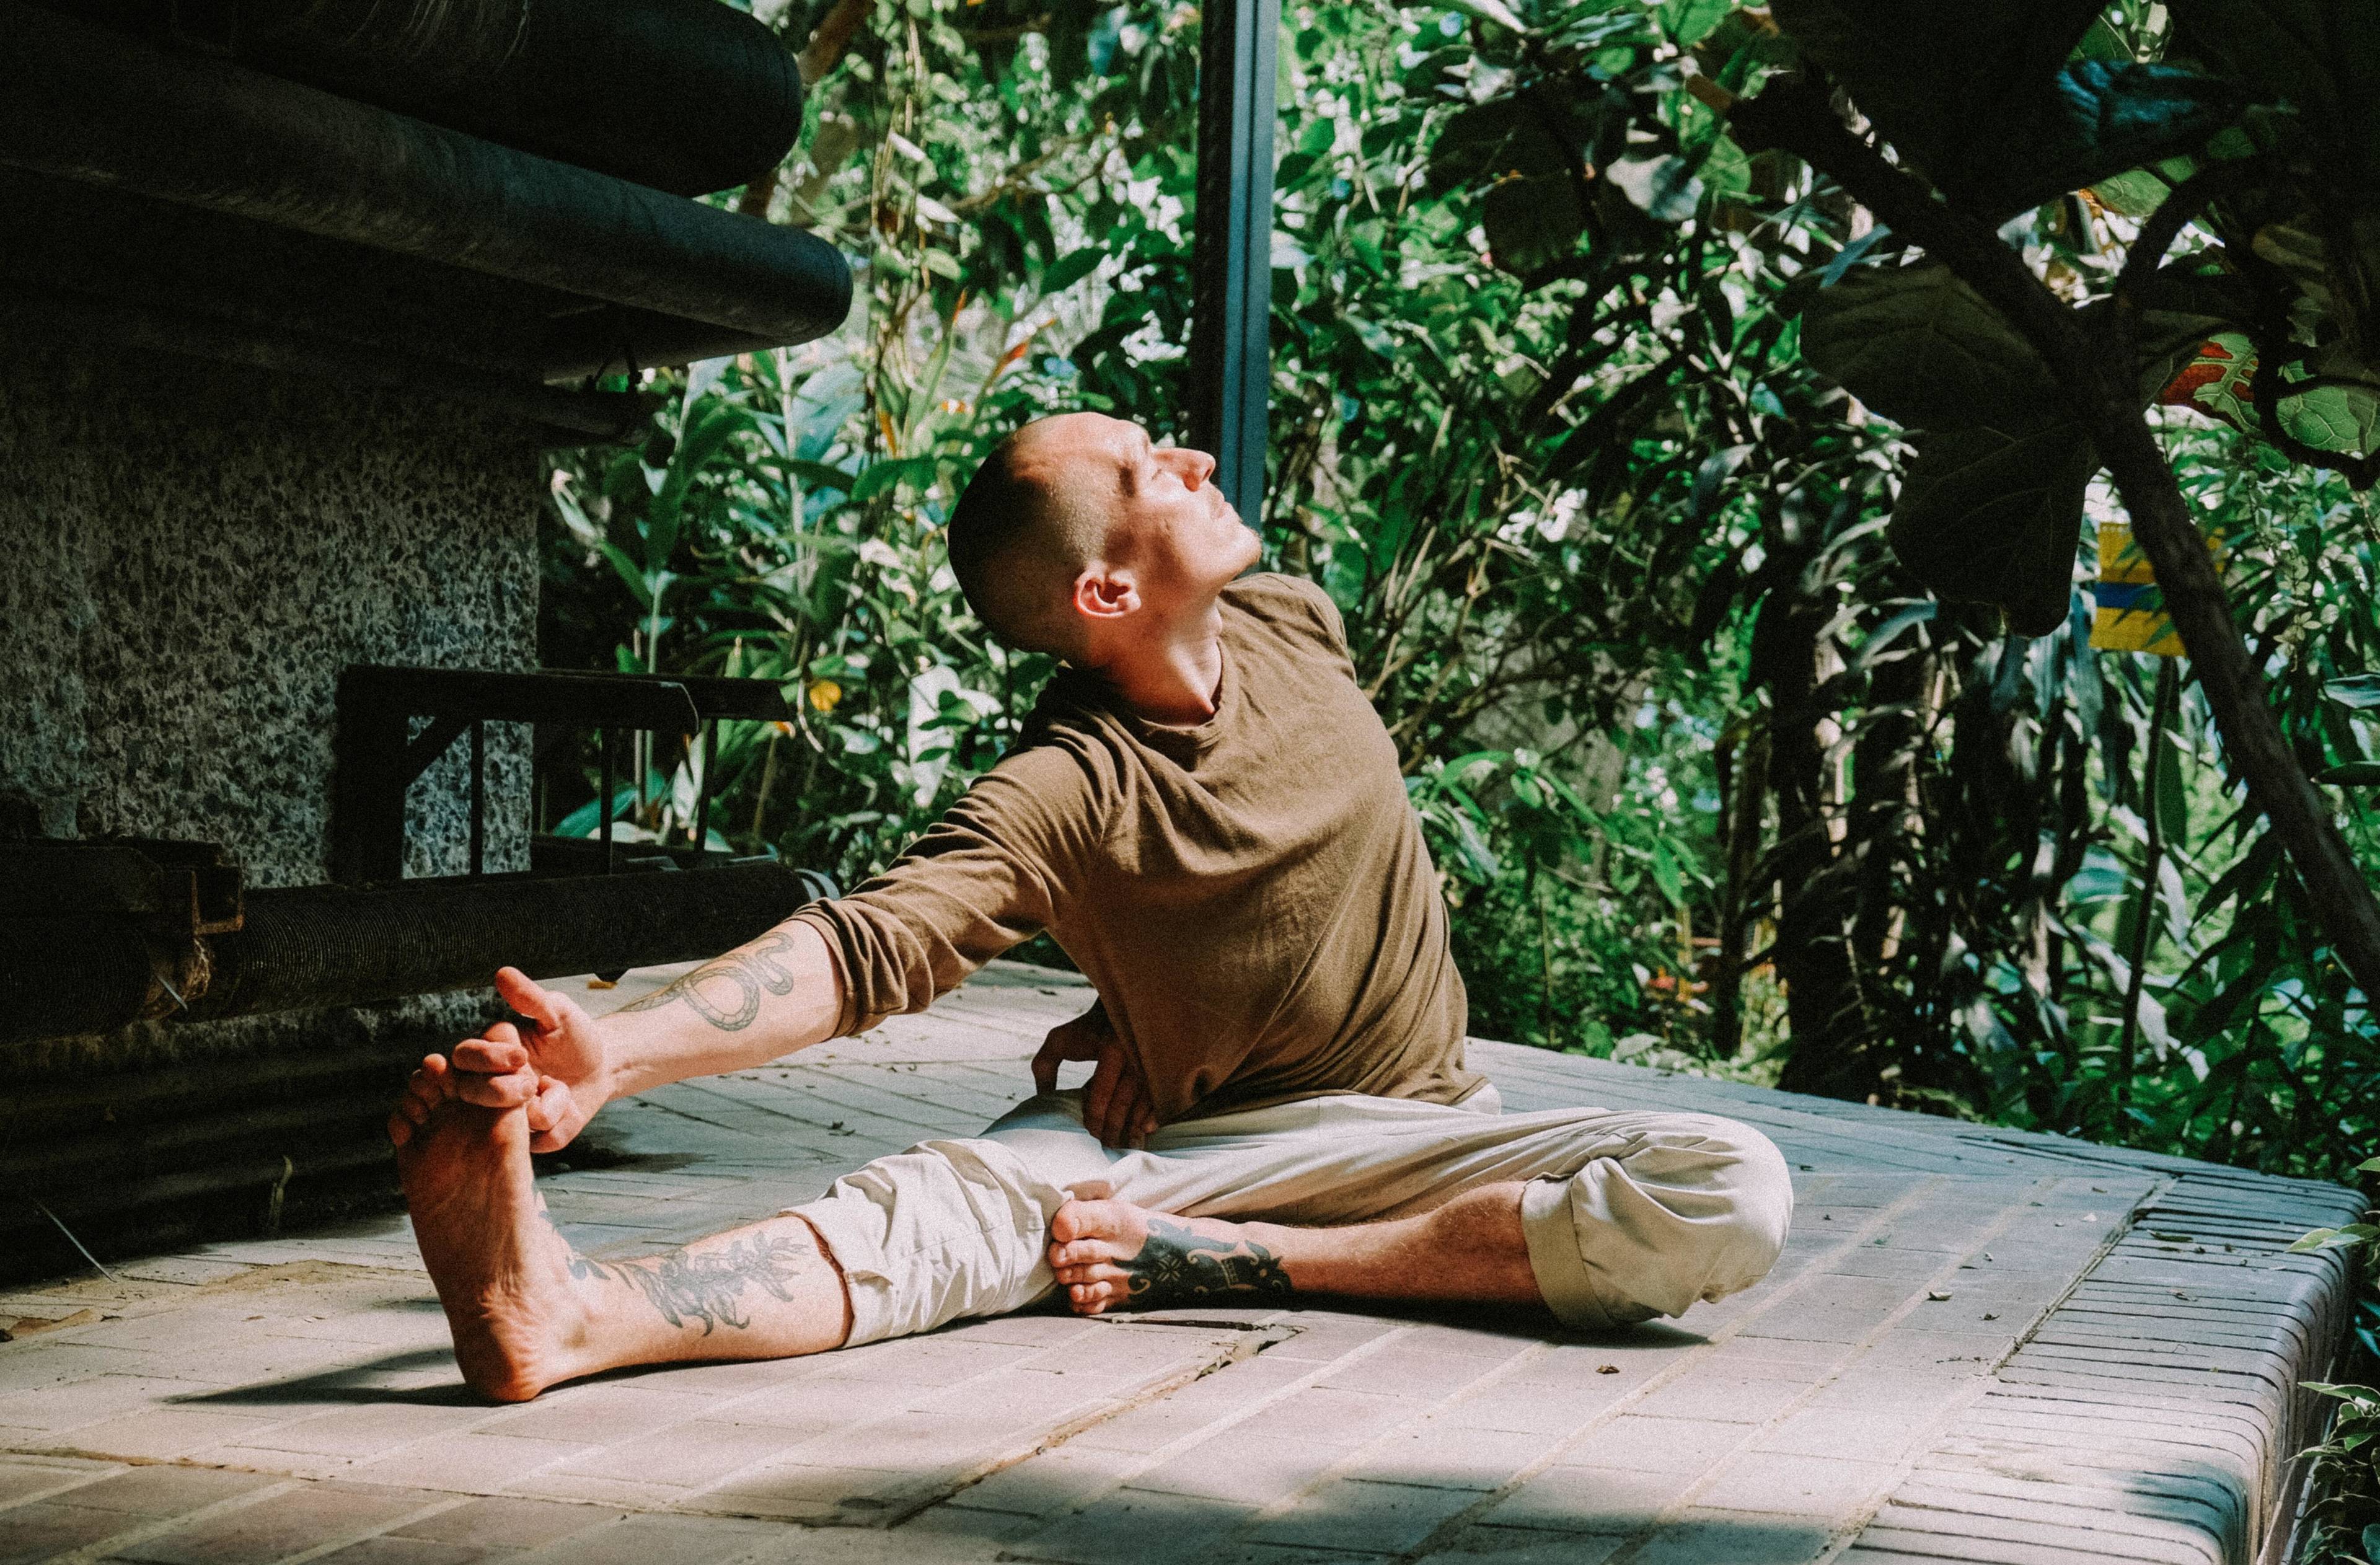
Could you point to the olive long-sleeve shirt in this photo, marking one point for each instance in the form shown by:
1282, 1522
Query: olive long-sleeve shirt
1251, 897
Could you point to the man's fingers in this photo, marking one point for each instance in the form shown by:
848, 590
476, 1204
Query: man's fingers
1100, 1092
524, 994
490, 1056
1077, 1040
551, 1102
1118, 1112
430, 1086
1130, 1108
507, 1091
1136, 1119
1046, 1062
1123, 1108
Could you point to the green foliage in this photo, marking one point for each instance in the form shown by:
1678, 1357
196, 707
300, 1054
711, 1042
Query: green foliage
1920, 348
1714, 778
2236, 98
1992, 513
1754, 729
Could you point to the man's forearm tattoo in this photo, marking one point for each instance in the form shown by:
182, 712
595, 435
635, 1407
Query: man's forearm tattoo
726, 993
709, 1287
1177, 1266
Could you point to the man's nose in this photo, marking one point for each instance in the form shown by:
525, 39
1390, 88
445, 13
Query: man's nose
1197, 467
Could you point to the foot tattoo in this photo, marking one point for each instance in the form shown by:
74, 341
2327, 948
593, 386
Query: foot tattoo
1177, 1266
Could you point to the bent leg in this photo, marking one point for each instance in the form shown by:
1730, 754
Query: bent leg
528, 1311
1111, 1253
1622, 1215
1685, 1207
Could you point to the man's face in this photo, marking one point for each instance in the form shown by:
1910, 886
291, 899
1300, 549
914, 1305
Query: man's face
1171, 528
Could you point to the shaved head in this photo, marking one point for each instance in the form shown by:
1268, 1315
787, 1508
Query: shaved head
1027, 526
1081, 537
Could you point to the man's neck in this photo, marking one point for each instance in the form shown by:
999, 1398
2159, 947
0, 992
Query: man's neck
1172, 676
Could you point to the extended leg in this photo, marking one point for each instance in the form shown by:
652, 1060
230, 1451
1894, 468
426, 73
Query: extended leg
1109, 1253
528, 1311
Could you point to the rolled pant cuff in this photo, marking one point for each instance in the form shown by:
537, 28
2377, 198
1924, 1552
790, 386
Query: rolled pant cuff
1570, 1289
853, 1252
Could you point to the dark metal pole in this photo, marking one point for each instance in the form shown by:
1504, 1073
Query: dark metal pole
603, 809
1232, 249
479, 797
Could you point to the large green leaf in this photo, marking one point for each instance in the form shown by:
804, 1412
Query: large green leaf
2357, 692
1935, 75
2093, 119
1921, 347
1532, 222
1664, 188
2181, 310
1995, 515
2323, 56
1690, 22
1986, 99
2133, 194
2333, 417
1534, 133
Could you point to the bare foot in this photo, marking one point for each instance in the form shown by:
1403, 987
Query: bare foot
502, 1269
1111, 1253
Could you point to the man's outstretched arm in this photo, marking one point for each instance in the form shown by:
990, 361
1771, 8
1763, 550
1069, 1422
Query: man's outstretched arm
767, 998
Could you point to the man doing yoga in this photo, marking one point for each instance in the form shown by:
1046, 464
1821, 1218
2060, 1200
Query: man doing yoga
1205, 813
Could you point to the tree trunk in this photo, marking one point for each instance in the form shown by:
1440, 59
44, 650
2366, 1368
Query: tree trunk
2097, 376
1813, 911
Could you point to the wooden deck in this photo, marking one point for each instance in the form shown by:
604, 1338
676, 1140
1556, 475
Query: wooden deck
1981, 1346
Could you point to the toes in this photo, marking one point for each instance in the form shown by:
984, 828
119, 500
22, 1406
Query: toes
432, 1084
1079, 1215
1081, 1252
1101, 1273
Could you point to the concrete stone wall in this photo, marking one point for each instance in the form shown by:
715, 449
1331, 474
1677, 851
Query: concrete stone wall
190, 553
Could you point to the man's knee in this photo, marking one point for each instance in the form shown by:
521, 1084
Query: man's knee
944, 1231
1691, 1207
1752, 1193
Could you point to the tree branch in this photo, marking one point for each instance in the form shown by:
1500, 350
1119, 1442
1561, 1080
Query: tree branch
2099, 387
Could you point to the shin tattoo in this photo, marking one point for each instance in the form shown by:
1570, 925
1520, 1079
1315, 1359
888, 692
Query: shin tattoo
710, 1287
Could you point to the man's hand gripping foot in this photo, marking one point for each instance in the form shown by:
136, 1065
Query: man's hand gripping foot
1110, 1253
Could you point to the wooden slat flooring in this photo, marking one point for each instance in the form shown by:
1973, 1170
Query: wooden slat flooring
1981, 1345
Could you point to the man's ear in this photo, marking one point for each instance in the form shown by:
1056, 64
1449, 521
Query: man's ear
1102, 592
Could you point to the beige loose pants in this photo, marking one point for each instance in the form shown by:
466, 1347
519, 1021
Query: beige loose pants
1627, 1215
